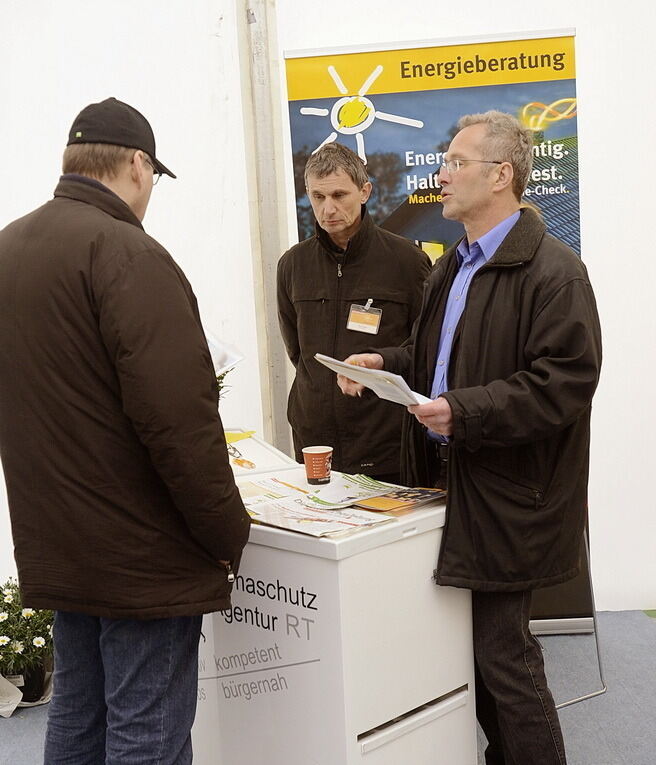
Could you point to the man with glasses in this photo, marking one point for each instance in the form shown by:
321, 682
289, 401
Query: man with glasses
508, 347
125, 515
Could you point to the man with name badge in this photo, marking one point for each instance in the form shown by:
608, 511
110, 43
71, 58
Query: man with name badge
125, 515
508, 346
350, 285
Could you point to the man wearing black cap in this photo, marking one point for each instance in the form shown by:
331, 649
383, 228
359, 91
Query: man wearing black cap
125, 516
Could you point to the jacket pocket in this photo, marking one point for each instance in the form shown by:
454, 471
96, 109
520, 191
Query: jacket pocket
514, 488
511, 526
315, 321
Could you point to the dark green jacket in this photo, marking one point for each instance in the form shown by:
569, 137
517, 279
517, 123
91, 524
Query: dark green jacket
314, 299
121, 496
524, 366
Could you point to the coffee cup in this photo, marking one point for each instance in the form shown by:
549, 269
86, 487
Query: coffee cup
317, 463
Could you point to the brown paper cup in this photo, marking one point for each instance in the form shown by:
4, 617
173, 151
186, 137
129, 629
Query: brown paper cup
317, 463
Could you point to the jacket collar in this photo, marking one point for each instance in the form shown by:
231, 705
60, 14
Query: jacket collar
94, 193
521, 242
356, 242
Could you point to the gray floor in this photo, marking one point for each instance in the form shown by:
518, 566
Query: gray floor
618, 728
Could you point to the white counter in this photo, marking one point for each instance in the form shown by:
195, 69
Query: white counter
339, 651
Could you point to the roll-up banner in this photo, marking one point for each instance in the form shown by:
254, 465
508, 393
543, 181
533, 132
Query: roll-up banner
398, 105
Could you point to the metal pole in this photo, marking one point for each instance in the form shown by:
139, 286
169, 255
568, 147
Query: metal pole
604, 687
260, 78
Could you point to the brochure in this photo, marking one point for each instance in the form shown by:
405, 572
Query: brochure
345, 490
384, 384
250, 455
402, 499
275, 503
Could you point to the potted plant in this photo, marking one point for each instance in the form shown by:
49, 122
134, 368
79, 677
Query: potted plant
224, 358
220, 382
25, 642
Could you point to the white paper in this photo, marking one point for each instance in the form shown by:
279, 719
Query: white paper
10, 697
280, 503
344, 490
224, 356
250, 456
384, 384
290, 513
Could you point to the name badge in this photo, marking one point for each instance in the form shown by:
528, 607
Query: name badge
364, 318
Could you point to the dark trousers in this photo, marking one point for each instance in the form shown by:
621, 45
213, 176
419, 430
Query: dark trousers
124, 691
513, 703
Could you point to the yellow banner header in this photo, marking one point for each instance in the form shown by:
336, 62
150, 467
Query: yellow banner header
417, 69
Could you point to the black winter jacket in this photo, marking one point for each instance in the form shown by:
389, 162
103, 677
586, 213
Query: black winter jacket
316, 289
524, 366
121, 497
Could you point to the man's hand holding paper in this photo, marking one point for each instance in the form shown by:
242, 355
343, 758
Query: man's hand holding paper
436, 415
351, 387
386, 385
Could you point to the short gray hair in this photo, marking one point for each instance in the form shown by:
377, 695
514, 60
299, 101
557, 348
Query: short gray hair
333, 157
508, 142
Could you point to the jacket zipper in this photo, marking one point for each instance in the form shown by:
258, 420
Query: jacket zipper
231, 573
338, 442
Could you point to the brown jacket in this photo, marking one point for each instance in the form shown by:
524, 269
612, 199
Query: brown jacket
523, 369
316, 288
121, 497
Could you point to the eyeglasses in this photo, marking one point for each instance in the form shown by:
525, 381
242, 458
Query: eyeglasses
453, 165
156, 173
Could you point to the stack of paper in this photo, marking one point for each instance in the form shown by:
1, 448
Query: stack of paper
402, 499
274, 502
345, 490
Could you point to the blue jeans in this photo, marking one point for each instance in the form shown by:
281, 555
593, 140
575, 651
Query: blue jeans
124, 691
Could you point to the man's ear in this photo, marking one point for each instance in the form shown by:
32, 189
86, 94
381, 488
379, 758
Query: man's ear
136, 168
505, 175
365, 192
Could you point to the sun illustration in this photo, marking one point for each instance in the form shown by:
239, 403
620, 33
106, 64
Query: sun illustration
352, 115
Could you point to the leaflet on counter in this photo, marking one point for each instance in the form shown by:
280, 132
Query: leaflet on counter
384, 384
402, 499
345, 490
290, 513
250, 455
276, 503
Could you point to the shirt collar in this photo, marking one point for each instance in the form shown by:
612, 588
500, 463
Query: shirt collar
355, 243
487, 244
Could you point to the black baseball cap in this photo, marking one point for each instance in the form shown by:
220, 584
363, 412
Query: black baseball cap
112, 121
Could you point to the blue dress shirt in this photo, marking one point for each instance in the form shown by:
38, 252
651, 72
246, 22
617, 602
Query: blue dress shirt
471, 256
